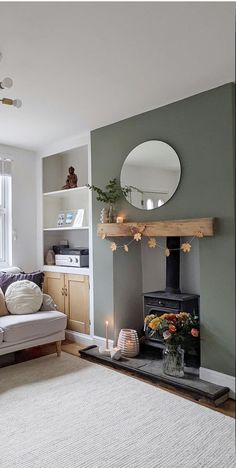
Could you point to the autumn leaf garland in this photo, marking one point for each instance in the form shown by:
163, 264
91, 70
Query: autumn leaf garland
152, 242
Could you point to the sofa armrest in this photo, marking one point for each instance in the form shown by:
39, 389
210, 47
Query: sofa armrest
48, 303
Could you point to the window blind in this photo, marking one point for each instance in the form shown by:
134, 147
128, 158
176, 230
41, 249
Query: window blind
5, 166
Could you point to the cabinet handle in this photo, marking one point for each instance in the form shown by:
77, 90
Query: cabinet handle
65, 292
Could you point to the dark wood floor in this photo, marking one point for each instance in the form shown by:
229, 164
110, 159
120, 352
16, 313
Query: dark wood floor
228, 408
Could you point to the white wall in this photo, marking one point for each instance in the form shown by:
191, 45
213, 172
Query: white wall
24, 220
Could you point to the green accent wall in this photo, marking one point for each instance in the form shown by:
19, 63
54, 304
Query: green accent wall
201, 129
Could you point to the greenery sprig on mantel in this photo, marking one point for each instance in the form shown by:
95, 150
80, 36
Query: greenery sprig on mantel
112, 193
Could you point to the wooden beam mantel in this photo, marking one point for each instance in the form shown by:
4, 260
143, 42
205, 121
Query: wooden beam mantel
178, 227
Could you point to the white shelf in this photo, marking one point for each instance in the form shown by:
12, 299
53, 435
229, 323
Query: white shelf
65, 192
65, 269
71, 228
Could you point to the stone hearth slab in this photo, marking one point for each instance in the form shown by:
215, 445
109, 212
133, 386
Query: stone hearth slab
150, 367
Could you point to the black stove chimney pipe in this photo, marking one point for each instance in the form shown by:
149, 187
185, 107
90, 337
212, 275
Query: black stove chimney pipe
173, 265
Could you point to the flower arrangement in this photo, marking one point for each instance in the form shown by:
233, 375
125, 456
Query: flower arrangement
174, 329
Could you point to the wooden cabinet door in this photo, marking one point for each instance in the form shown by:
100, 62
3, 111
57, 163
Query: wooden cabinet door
77, 302
54, 286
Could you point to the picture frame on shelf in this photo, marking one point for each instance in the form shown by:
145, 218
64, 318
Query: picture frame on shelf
71, 218
60, 219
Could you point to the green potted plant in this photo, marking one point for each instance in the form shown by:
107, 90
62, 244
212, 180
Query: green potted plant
112, 193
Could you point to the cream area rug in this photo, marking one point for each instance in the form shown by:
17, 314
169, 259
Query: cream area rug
69, 413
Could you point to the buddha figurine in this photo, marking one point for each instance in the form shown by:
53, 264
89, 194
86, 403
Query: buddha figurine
72, 179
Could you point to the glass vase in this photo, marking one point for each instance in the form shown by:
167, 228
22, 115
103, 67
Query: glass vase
110, 214
173, 361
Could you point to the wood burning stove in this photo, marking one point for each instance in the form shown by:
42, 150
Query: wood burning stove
171, 300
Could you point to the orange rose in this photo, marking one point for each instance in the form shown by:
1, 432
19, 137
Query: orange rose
172, 328
195, 332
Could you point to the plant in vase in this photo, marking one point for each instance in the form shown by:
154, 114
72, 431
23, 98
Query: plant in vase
174, 330
112, 193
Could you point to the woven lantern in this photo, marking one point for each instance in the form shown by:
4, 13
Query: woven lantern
128, 342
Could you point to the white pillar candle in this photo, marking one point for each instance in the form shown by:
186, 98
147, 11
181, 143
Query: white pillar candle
119, 219
106, 334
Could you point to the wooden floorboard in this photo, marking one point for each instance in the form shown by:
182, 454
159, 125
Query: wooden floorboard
228, 408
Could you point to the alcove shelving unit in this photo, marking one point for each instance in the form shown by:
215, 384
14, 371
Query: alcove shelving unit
70, 287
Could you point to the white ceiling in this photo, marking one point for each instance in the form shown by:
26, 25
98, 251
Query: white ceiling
79, 66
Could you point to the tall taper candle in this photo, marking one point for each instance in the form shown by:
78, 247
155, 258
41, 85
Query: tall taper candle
106, 334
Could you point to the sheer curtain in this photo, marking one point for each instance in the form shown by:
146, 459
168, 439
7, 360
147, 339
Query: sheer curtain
5, 211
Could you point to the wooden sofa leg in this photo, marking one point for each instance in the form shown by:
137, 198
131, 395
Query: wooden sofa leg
58, 346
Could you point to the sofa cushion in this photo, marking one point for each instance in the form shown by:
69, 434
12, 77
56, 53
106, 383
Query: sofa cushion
3, 307
8, 278
18, 328
13, 269
48, 303
23, 297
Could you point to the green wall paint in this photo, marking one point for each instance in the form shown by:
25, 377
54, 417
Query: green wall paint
201, 130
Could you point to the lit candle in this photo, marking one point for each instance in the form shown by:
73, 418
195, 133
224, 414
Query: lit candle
119, 219
106, 334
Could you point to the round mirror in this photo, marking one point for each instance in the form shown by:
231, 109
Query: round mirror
151, 174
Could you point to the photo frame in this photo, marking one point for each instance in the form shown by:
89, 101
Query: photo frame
71, 218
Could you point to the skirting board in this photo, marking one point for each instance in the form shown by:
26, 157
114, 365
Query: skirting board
86, 340
219, 379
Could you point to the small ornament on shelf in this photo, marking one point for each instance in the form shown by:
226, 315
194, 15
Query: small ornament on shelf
72, 179
50, 257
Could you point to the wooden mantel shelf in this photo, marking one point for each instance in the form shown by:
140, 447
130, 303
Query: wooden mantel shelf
178, 227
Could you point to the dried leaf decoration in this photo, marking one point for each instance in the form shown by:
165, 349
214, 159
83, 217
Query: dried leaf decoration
138, 229
199, 234
113, 246
103, 235
186, 247
167, 252
126, 248
137, 236
152, 243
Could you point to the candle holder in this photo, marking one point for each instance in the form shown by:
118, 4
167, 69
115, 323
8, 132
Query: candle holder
128, 342
105, 349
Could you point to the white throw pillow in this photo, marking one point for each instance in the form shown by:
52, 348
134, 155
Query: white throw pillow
23, 297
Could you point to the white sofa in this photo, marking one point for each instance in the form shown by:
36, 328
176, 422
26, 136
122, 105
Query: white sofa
26, 331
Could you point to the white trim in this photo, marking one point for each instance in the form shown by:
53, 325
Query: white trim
86, 340
64, 269
218, 378
90, 223
80, 338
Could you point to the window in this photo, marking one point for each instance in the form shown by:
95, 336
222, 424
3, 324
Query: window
5, 212
150, 204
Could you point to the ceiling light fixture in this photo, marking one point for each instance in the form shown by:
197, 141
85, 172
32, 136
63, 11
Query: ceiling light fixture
8, 83
11, 102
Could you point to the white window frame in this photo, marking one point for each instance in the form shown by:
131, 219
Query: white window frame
6, 212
